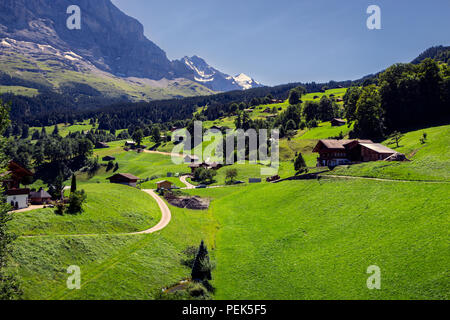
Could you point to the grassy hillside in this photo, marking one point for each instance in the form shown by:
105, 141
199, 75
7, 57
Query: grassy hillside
430, 161
291, 240
311, 240
112, 266
56, 72
109, 208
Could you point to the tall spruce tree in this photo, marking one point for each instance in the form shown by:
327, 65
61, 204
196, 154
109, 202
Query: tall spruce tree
201, 269
73, 185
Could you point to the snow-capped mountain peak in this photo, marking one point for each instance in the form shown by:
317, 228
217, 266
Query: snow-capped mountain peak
245, 81
215, 79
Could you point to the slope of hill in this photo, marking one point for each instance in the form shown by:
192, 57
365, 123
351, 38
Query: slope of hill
43, 67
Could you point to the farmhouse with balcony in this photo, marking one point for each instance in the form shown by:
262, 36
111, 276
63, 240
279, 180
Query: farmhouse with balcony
339, 152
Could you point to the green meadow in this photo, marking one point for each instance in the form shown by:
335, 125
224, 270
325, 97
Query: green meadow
109, 209
291, 240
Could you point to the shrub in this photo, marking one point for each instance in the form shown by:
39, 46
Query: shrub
60, 208
76, 201
110, 166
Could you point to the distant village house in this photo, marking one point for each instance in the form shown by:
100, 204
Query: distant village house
40, 197
336, 122
125, 179
101, 145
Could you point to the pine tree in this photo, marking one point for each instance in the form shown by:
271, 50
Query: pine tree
201, 269
55, 130
73, 186
300, 164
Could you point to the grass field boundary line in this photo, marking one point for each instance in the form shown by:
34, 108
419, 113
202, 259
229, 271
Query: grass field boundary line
381, 179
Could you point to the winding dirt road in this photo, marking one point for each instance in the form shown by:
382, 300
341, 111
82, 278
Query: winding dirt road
165, 153
187, 184
166, 215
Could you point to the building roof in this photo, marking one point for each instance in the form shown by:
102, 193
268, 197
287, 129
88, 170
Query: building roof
162, 181
17, 192
339, 144
378, 147
126, 176
16, 168
41, 194
335, 144
339, 120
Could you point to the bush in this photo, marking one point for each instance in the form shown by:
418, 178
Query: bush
197, 290
60, 208
76, 201
110, 166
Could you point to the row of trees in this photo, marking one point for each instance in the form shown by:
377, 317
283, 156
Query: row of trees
9, 286
407, 96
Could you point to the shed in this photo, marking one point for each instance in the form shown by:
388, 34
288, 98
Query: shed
40, 197
336, 122
101, 145
125, 179
164, 184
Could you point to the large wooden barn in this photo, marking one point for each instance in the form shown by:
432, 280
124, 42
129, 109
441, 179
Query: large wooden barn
339, 152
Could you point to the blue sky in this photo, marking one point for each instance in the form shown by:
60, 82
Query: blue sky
284, 41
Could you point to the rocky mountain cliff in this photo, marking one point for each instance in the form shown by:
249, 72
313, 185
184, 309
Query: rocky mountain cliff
109, 39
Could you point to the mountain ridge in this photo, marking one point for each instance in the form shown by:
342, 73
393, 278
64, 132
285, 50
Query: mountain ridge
215, 79
109, 42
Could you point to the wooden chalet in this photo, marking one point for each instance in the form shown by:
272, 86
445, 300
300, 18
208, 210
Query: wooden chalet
125, 179
339, 152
